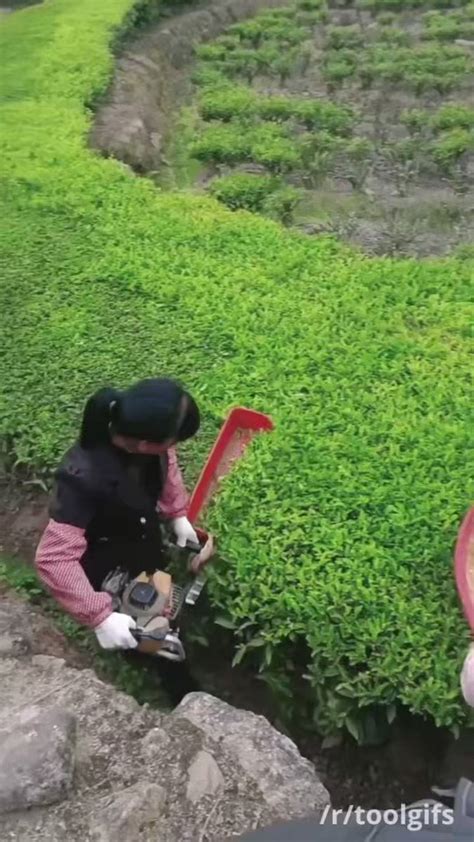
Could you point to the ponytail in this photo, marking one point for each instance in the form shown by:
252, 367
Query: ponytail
98, 413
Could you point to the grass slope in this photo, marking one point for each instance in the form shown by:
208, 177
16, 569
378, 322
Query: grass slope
339, 527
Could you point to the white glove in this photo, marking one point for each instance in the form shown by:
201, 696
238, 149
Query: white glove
114, 632
467, 677
184, 531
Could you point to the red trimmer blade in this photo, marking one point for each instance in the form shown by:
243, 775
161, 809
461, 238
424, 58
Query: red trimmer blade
237, 431
464, 566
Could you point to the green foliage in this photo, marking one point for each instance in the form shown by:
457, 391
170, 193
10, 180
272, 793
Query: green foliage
338, 527
244, 190
466, 252
227, 102
415, 119
312, 19
281, 204
209, 76
453, 116
340, 65
313, 114
251, 32
20, 578
222, 144
451, 146
257, 193
269, 27
380, 6
272, 148
215, 52
448, 26
421, 68
264, 143
392, 35
311, 5
449, 132
345, 37
386, 18
238, 101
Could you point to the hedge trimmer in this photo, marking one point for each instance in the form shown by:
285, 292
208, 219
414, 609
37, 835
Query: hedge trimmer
154, 600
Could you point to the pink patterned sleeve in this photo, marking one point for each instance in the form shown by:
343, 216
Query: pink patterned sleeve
174, 499
58, 563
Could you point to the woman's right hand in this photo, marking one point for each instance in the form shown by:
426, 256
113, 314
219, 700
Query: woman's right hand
114, 632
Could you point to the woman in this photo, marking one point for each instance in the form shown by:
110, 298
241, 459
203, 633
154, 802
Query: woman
112, 490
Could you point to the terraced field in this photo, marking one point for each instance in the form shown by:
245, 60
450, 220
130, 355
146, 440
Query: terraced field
355, 119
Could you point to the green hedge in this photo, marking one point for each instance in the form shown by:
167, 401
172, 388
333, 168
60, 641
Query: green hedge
339, 527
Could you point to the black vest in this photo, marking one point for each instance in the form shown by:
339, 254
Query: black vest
113, 496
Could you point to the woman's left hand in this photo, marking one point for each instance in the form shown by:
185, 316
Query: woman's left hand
203, 557
184, 531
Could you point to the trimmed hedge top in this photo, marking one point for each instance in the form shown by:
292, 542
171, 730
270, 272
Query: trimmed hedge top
339, 526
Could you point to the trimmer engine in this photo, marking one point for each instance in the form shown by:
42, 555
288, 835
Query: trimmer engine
156, 602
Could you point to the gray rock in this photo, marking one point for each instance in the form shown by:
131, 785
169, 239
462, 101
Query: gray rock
154, 743
49, 662
204, 777
15, 632
124, 815
285, 781
37, 758
13, 644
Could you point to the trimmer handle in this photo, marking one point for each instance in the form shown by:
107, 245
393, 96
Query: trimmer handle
193, 547
141, 634
171, 649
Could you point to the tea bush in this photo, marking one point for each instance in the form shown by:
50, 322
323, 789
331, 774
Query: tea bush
338, 528
339, 65
265, 143
311, 5
313, 114
448, 26
227, 102
380, 6
420, 67
392, 35
244, 190
226, 143
268, 27
271, 147
281, 204
451, 146
453, 116
345, 37
448, 133
415, 119
257, 193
